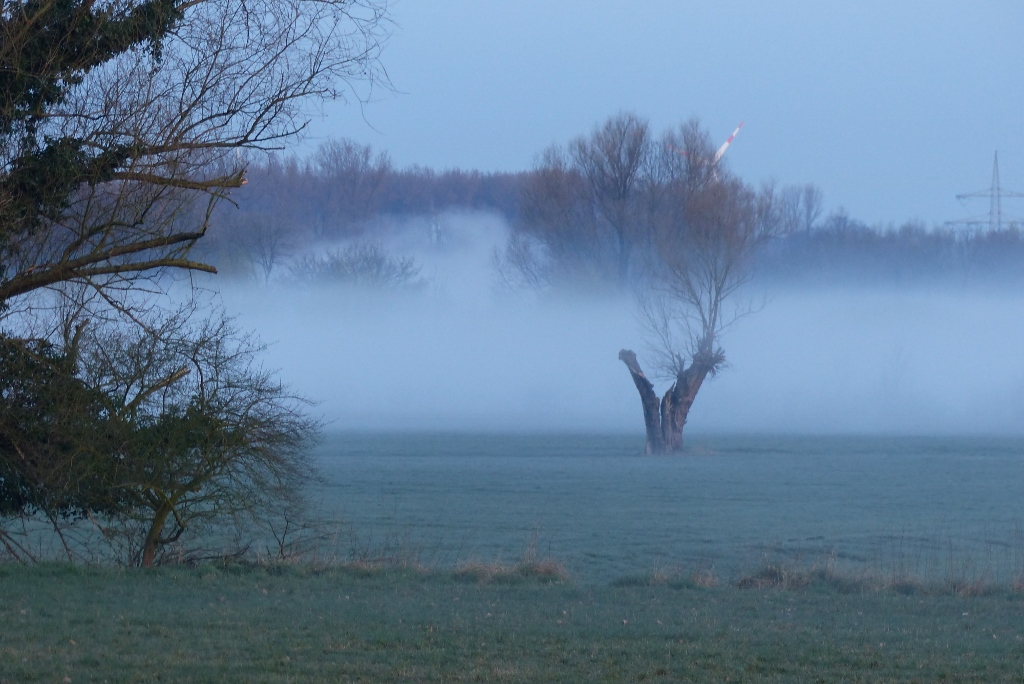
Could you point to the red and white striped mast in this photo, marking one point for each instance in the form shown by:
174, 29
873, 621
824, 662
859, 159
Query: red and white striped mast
725, 145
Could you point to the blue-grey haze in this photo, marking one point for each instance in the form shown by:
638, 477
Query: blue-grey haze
464, 356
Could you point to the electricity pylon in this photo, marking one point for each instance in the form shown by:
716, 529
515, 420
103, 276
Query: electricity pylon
995, 195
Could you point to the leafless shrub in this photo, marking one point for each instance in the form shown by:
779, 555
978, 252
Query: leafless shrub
210, 436
365, 266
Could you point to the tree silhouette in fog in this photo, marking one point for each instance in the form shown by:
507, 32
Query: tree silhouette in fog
706, 226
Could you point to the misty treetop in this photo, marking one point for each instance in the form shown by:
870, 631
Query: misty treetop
343, 194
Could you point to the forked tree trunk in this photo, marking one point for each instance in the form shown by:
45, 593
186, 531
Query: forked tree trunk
152, 542
665, 419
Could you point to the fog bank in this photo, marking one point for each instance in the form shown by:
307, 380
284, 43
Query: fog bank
461, 356
874, 361
836, 362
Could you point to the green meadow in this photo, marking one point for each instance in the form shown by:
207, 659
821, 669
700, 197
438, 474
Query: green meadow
448, 558
235, 623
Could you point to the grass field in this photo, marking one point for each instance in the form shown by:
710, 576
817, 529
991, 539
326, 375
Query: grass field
929, 506
62, 623
751, 560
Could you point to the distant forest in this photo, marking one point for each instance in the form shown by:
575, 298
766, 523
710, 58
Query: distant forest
293, 210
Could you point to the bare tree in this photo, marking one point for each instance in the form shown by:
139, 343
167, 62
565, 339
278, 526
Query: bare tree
352, 176
709, 225
266, 244
521, 263
587, 206
122, 127
800, 207
810, 203
612, 161
363, 265
557, 214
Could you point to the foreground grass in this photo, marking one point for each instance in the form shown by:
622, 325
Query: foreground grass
60, 623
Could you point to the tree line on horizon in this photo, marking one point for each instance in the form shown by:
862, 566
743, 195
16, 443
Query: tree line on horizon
348, 193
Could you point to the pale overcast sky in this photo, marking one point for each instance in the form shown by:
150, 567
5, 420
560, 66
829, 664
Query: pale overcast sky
892, 107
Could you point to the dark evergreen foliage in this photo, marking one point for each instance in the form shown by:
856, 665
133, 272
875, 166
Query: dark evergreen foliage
50, 46
60, 449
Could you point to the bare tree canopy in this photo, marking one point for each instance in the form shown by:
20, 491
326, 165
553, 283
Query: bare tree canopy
119, 118
365, 266
587, 205
611, 162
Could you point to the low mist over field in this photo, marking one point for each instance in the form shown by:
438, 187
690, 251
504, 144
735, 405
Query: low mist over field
874, 360
464, 353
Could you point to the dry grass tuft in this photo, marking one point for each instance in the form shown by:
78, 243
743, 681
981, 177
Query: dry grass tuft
705, 579
782, 576
774, 577
544, 571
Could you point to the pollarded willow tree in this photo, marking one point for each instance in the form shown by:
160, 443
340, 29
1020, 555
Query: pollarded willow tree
707, 227
619, 207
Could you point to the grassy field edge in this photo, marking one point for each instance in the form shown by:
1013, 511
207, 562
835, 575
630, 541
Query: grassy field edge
245, 622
